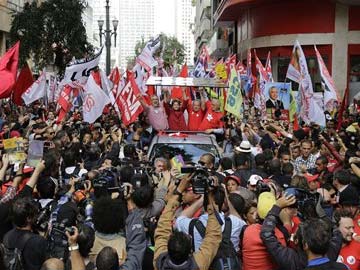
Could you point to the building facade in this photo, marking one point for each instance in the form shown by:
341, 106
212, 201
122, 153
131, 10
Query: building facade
333, 26
203, 24
185, 15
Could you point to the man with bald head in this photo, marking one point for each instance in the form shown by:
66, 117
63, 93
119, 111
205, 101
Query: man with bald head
212, 118
53, 264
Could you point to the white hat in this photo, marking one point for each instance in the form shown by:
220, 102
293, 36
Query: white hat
254, 179
244, 147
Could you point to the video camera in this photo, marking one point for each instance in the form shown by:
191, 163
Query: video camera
305, 201
201, 180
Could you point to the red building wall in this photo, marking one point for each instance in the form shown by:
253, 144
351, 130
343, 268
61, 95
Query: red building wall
286, 17
354, 18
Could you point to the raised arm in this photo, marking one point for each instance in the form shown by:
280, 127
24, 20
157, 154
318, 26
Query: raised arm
164, 228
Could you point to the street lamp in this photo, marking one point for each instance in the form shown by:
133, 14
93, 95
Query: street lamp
107, 34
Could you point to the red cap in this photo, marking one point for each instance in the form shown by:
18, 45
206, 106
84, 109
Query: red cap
309, 177
232, 177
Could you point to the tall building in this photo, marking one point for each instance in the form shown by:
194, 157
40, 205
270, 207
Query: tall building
137, 21
88, 21
184, 24
99, 13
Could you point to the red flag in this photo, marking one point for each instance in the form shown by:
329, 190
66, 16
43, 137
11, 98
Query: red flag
128, 102
24, 81
64, 102
296, 123
344, 105
176, 92
268, 67
8, 70
115, 79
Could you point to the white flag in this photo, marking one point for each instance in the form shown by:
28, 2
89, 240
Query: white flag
330, 93
36, 90
77, 72
94, 101
146, 58
310, 110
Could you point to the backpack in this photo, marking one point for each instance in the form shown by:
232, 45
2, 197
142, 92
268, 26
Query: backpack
13, 258
226, 256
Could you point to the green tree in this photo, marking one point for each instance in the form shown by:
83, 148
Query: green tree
51, 33
171, 45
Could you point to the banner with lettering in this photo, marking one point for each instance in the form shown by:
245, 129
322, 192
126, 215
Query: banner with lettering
234, 99
128, 102
94, 101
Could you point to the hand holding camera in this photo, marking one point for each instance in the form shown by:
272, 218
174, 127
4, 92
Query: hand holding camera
286, 201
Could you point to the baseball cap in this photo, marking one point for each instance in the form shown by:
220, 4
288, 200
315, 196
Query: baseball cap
232, 177
254, 179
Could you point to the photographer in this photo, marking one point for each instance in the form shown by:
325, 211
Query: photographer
290, 258
173, 250
33, 246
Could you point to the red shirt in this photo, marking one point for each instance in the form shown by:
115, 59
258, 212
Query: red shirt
195, 118
255, 255
212, 119
176, 119
350, 255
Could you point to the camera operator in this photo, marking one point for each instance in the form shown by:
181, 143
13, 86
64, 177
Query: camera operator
173, 250
286, 257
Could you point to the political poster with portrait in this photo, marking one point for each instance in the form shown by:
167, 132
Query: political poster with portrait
277, 96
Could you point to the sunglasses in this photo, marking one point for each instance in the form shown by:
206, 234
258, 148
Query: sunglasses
202, 163
333, 195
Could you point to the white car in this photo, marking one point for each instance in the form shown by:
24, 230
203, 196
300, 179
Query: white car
189, 145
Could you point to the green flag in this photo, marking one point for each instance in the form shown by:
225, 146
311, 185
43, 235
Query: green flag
234, 98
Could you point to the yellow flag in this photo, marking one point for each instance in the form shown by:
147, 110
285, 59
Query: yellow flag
234, 98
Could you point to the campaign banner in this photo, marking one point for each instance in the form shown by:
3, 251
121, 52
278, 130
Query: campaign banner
16, 150
128, 102
234, 99
35, 153
277, 95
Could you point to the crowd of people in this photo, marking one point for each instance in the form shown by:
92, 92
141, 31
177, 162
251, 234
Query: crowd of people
278, 198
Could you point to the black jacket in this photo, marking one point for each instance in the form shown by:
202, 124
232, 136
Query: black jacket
291, 258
